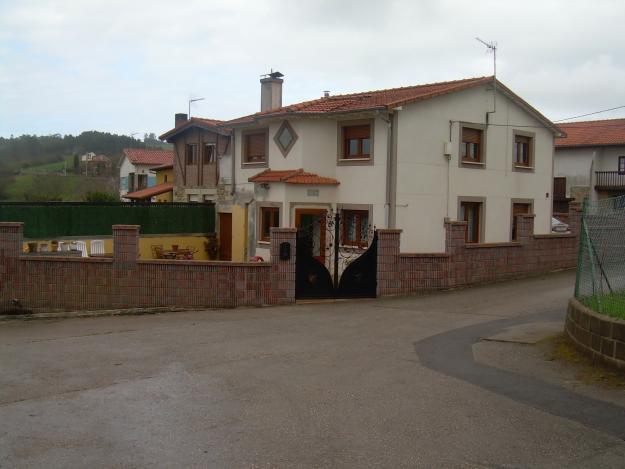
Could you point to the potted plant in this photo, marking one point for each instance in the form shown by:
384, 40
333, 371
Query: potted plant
32, 247
211, 246
54, 246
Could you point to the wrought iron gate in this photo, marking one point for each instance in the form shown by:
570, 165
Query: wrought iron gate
329, 267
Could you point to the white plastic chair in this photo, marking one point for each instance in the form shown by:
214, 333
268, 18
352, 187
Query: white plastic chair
82, 247
97, 246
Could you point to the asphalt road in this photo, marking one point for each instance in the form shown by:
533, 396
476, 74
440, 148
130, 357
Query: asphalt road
374, 383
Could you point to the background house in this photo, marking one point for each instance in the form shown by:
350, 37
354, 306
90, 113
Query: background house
589, 161
404, 158
162, 191
202, 171
95, 165
135, 168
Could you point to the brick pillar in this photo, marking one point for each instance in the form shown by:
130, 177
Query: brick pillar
125, 255
525, 228
388, 274
455, 232
125, 243
283, 271
575, 218
11, 240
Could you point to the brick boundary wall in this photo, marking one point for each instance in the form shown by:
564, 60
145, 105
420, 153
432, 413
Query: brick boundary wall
43, 283
602, 337
467, 264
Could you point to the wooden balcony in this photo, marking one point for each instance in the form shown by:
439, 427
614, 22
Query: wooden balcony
609, 180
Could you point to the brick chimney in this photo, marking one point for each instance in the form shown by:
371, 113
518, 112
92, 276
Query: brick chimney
179, 118
271, 91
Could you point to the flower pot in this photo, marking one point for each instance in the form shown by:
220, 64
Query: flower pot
32, 247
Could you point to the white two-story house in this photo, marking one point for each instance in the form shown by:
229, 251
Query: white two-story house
404, 158
589, 162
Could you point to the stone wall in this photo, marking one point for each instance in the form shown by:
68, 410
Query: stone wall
602, 337
44, 283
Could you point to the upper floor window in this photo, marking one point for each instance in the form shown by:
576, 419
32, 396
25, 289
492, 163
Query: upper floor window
357, 141
621, 164
209, 155
191, 153
255, 147
523, 151
471, 148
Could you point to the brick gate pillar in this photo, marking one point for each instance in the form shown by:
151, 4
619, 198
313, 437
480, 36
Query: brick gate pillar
455, 232
283, 271
125, 282
388, 273
11, 241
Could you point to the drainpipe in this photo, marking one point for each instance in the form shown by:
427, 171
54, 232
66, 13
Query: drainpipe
232, 177
388, 205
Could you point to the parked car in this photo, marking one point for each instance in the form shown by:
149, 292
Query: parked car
558, 227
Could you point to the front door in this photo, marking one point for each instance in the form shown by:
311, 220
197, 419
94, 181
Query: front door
225, 236
311, 224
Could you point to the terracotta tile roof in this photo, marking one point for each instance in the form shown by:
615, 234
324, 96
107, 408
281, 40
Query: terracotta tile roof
368, 100
150, 192
292, 176
149, 156
162, 166
208, 124
593, 133
386, 100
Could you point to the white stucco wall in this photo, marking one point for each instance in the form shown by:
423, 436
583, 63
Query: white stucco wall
429, 186
575, 165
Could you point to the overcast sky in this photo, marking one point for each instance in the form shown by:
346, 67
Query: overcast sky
128, 66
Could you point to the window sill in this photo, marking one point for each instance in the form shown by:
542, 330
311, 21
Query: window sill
354, 159
253, 163
262, 241
473, 163
521, 166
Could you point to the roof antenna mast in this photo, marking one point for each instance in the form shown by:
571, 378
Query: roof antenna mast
492, 47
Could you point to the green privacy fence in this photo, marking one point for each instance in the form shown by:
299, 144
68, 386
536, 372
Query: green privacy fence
49, 220
600, 282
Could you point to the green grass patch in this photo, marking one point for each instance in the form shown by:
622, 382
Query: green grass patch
56, 166
611, 304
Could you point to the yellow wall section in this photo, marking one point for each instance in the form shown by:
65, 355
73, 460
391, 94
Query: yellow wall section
239, 233
196, 243
163, 176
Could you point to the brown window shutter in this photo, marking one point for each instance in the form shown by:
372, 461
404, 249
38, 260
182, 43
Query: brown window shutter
471, 135
357, 131
256, 144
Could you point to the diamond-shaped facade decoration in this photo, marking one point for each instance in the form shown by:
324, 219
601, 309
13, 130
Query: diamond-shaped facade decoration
285, 138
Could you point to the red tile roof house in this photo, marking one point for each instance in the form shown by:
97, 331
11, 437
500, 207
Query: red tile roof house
589, 161
406, 158
135, 168
202, 163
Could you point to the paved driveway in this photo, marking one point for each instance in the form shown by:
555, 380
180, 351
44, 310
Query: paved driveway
352, 384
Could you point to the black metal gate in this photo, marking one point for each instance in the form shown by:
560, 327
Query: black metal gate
329, 267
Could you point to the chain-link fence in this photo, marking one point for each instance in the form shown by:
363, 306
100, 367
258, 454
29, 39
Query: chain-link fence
600, 282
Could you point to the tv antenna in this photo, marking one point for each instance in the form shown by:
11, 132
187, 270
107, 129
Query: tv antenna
192, 100
492, 47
